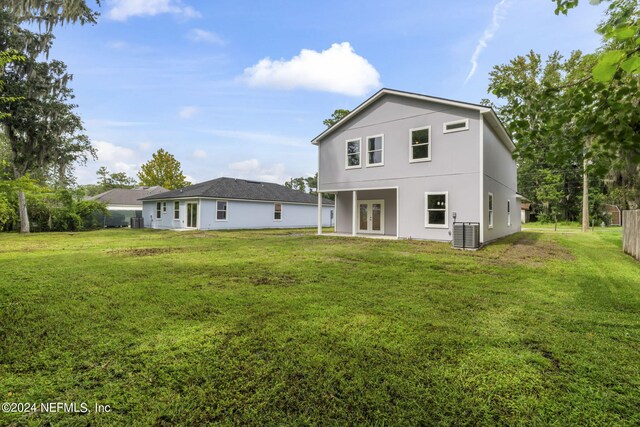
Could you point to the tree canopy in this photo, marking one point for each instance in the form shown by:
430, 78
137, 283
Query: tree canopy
163, 169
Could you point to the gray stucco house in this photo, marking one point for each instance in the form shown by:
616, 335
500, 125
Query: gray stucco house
123, 204
229, 203
408, 165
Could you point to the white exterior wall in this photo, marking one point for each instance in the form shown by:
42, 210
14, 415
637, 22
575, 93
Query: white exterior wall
240, 215
500, 179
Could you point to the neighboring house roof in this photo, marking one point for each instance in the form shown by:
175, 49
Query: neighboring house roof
232, 188
127, 196
487, 112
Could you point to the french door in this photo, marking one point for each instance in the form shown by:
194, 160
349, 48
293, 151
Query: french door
192, 215
371, 216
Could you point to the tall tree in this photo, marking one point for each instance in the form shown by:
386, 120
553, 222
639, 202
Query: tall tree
45, 135
336, 116
163, 169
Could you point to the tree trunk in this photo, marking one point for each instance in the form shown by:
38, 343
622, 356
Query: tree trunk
585, 198
24, 215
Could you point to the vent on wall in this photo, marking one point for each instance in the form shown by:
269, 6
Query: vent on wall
466, 235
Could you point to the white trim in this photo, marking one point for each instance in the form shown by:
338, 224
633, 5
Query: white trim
346, 153
397, 212
226, 211
429, 144
197, 203
508, 213
124, 208
426, 209
481, 178
274, 211
239, 200
319, 217
373, 165
354, 212
455, 122
491, 201
360, 189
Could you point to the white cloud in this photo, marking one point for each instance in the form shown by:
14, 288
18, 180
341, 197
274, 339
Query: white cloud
108, 152
499, 13
124, 9
338, 69
200, 154
199, 35
144, 145
253, 169
188, 112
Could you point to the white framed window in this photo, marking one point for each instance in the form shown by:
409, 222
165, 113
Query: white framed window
375, 150
158, 210
221, 210
277, 211
164, 207
490, 205
176, 210
455, 126
353, 149
420, 144
436, 210
508, 213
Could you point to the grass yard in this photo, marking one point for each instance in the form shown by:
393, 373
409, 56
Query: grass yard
284, 327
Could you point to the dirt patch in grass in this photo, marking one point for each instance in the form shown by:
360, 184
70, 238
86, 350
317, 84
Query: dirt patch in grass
144, 251
275, 280
525, 249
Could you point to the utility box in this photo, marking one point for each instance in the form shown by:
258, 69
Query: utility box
466, 235
137, 222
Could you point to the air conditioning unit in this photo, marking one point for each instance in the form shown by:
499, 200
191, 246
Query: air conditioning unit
466, 235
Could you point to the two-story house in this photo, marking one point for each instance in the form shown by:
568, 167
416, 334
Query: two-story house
408, 165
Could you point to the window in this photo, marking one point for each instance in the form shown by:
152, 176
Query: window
508, 213
375, 150
490, 210
164, 207
456, 126
436, 212
277, 211
158, 209
419, 144
353, 154
176, 210
221, 211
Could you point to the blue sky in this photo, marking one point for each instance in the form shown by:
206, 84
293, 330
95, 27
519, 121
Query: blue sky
239, 88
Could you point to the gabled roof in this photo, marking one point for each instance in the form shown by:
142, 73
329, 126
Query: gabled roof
232, 188
127, 196
487, 112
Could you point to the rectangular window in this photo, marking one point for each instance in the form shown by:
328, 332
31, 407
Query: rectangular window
490, 210
375, 150
508, 213
164, 207
277, 211
221, 211
456, 126
158, 210
353, 153
436, 209
176, 210
420, 142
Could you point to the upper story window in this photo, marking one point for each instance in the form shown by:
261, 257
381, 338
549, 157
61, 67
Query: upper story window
420, 144
375, 150
455, 126
221, 210
436, 212
176, 210
158, 209
353, 154
277, 211
490, 204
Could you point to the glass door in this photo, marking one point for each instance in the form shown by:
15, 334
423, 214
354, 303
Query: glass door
192, 215
371, 216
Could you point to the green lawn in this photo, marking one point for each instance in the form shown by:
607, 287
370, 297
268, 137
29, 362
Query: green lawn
284, 327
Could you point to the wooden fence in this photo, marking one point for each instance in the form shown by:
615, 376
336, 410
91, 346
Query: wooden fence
631, 233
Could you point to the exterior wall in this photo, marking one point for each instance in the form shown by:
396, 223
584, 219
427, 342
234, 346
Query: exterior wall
240, 214
454, 166
500, 179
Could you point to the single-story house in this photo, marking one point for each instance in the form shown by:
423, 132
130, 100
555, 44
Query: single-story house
229, 203
525, 211
124, 204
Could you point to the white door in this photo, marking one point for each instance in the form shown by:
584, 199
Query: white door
371, 216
